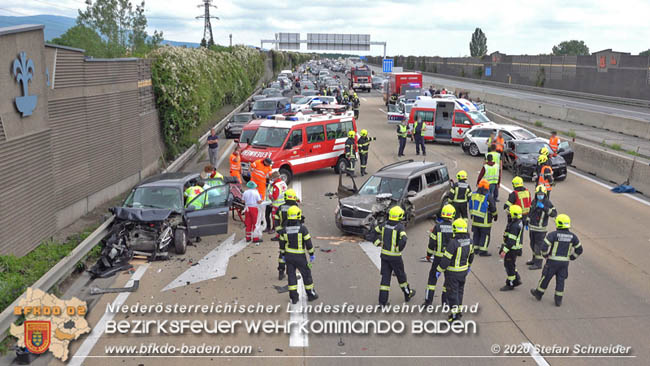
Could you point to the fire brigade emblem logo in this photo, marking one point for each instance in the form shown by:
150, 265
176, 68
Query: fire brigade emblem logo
37, 335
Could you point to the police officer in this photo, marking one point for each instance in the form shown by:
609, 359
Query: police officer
351, 152
511, 248
483, 211
561, 246
391, 236
440, 236
540, 210
364, 144
402, 132
455, 263
280, 220
459, 194
296, 239
418, 128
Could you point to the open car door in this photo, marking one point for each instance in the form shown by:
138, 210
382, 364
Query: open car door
207, 213
347, 186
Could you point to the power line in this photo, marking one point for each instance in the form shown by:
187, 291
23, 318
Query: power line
207, 27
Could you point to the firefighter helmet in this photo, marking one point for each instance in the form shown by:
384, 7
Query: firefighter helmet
515, 211
462, 175
396, 213
294, 213
448, 212
484, 184
563, 221
540, 189
542, 159
459, 226
351, 134
517, 182
290, 195
363, 133
544, 151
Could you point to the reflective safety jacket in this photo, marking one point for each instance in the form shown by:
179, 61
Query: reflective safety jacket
190, 194
296, 238
491, 173
364, 144
496, 157
439, 238
280, 217
417, 128
459, 254
520, 197
512, 236
482, 208
401, 131
539, 213
499, 143
350, 148
460, 192
545, 177
391, 237
562, 245
277, 192
554, 143
235, 163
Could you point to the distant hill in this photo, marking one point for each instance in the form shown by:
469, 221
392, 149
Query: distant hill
56, 25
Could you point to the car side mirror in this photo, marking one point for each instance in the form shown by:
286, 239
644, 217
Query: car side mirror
411, 194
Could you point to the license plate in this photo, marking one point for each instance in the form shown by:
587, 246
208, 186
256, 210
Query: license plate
348, 222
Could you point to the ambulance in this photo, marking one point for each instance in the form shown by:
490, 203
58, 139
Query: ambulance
300, 143
446, 119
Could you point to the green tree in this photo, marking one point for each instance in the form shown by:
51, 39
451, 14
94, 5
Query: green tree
478, 44
83, 37
571, 48
645, 53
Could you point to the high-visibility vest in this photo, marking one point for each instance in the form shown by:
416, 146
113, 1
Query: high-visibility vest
259, 171
554, 142
190, 194
499, 144
478, 205
491, 173
496, 157
402, 131
543, 180
282, 187
523, 200
390, 248
235, 163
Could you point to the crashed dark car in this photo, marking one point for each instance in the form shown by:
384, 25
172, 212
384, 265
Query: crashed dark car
420, 188
155, 218
520, 157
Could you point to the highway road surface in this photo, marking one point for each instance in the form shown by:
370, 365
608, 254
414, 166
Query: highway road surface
634, 112
606, 302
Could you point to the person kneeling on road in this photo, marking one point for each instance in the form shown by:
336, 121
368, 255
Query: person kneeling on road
455, 264
296, 239
392, 239
561, 246
511, 248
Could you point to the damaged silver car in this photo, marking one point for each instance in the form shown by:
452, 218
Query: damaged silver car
420, 188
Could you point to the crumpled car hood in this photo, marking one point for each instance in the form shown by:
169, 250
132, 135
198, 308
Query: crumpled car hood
364, 202
141, 214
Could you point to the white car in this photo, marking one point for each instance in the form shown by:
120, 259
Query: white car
475, 139
307, 102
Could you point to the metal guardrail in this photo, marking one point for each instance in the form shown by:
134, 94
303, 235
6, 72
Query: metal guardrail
64, 267
535, 89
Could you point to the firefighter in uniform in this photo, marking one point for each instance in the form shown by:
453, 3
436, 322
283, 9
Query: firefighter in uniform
364, 145
351, 152
561, 246
296, 239
355, 105
459, 194
540, 210
545, 174
280, 220
440, 236
483, 211
455, 263
511, 248
402, 132
520, 196
392, 239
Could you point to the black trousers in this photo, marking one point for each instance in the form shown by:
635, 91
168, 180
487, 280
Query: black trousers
402, 144
510, 263
267, 217
481, 237
461, 209
298, 262
536, 244
419, 142
363, 161
455, 283
282, 264
388, 266
351, 165
557, 269
431, 283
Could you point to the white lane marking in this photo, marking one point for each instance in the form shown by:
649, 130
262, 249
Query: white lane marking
297, 338
373, 252
382, 111
297, 186
608, 187
226, 154
536, 356
213, 265
99, 329
506, 189
364, 99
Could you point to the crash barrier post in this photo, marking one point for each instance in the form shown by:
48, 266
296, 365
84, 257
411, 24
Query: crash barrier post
608, 165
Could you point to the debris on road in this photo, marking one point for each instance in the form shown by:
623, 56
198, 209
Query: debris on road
279, 350
99, 291
281, 289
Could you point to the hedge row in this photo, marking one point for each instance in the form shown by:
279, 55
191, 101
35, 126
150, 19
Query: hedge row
192, 84
287, 60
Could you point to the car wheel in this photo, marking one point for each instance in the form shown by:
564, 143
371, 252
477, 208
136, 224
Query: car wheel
340, 166
180, 241
286, 175
473, 150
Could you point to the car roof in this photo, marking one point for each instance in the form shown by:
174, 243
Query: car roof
497, 126
406, 169
177, 179
244, 114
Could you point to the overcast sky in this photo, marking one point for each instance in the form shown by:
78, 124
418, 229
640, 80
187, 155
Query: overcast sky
414, 27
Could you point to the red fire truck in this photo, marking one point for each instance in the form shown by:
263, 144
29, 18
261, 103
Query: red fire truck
361, 78
300, 143
400, 81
